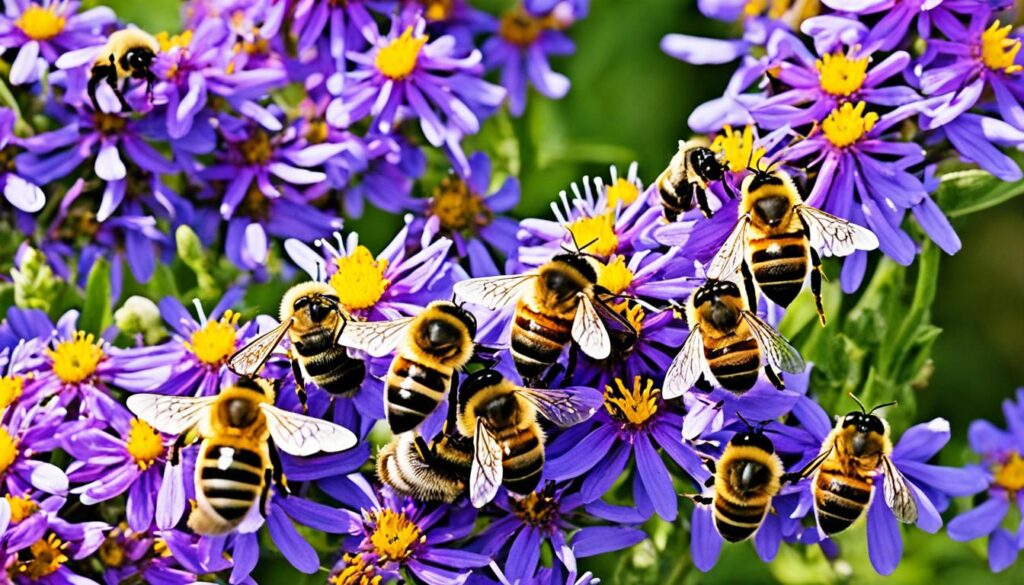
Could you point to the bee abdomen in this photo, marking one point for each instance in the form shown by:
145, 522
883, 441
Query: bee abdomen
231, 479
537, 340
413, 392
523, 464
315, 342
737, 522
779, 265
735, 365
336, 372
840, 500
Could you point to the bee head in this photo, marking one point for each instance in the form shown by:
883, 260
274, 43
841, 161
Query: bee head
707, 164
501, 410
460, 313
756, 439
772, 209
320, 306
139, 59
863, 423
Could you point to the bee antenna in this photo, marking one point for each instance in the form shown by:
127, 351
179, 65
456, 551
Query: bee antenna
745, 421
585, 246
859, 403
893, 403
319, 271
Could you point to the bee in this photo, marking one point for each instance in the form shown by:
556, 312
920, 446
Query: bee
555, 303
777, 239
312, 318
241, 430
431, 347
728, 344
844, 473
430, 472
745, 479
129, 53
686, 179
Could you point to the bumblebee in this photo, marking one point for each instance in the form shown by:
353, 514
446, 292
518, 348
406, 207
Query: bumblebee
312, 318
555, 303
431, 347
728, 344
129, 53
857, 450
746, 478
777, 240
241, 430
434, 472
686, 179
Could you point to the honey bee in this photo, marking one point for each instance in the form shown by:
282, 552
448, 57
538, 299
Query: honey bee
129, 53
312, 318
432, 472
686, 179
241, 430
431, 347
777, 240
555, 303
746, 478
728, 344
844, 473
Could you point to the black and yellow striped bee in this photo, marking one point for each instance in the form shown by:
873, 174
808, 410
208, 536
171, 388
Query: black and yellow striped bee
686, 179
431, 348
431, 472
129, 53
728, 344
777, 240
241, 430
857, 450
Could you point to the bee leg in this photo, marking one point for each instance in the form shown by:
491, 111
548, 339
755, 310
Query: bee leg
703, 384
701, 195
709, 482
265, 494
176, 448
570, 368
300, 385
709, 463
278, 472
150, 82
99, 73
748, 286
816, 284
699, 499
774, 378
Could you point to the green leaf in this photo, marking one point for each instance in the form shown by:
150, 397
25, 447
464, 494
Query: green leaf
964, 192
97, 314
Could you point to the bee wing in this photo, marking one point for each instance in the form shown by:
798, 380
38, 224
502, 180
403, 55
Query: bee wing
834, 236
730, 256
172, 415
486, 473
588, 330
897, 495
776, 348
564, 407
377, 338
298, 434
687, 367
494, 292
248, 360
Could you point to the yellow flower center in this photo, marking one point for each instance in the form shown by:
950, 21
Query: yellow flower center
359, 280
76, 359
622, 190
145, 445
39, 23
596, 233
435, 10
1010, 475
168, 42
633, 313
108, 124
457, 208
521, 29
736, 148
848, 124
47, 556
256, 150
10, 390
536, 508
615, 276
8, 450
999, 52
776, 9
21, 507
394, 535
633, 405
111, 553
215, 341
398, 59
840, 75
317, 131
357, 571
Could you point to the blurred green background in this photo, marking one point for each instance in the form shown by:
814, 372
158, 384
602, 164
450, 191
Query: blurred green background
630, 102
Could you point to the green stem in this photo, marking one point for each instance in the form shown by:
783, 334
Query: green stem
924, 293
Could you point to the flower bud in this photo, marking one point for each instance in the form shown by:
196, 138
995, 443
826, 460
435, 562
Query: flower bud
35, 284
139, 315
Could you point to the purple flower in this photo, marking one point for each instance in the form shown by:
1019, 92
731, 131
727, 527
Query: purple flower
127, 554
26, 433
23, 194
45, 560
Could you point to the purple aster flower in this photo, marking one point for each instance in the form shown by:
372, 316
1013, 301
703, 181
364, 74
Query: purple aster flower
544, 576
42, 31
45, 560
21, 193
565, 12
1001, 473
127, 554
403, 69
333, 29
26, 433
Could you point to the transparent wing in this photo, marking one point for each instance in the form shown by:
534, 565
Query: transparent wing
564, 407
494, 292
173, 415
486, 473
687, 367
897, 495
588, 330
377, 338
298, 434
248, 360
776, 349
834, 236
727, 261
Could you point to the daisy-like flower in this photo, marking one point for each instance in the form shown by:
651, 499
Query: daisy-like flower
45, 561
404, 68
1001, 471
127, 554
21, 193
333, 29
25, 434
42, 31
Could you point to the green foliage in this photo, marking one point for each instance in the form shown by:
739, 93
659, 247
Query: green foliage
970, 191
96, 311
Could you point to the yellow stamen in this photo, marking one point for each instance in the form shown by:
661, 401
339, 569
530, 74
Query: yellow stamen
111, 553
848, 124
47, 556
39, 23
536, 508
145, 445
777, 9
394, 535
597, 231
398, 59
215, 341
633, 405
21, 507
357, 571
841, 75
11, 388
520, 28
615, 275
622, 190
458, 208
1010, 475
437, 10
360, 280
75, 360
999, 52
168, 42
317, 132
634, 314
736, 148
256, 149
